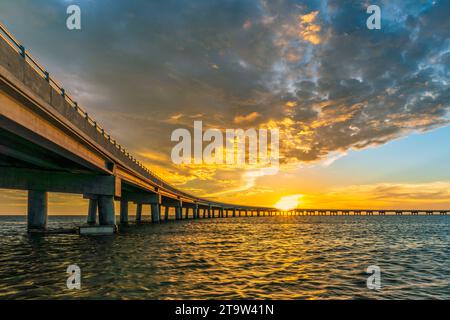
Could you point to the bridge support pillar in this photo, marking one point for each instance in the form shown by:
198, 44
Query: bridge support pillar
196, 212
166, 213
234, 212
209, 212
106, 213
37, 210
178, 213
92, 213
186, 214
123, 211
156, 212
138, 212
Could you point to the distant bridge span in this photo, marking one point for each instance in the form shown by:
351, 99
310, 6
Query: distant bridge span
48, 143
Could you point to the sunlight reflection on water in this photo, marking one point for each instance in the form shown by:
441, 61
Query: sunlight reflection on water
253, 258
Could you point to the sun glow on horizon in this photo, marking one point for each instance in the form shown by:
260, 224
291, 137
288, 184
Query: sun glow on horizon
289, 202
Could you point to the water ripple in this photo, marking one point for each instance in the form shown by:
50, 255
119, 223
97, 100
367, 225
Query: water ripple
241, 258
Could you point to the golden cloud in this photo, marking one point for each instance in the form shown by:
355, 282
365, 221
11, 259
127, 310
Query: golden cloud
247, 118
309, 30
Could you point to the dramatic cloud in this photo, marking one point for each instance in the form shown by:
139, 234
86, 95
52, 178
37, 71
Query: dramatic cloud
358, 87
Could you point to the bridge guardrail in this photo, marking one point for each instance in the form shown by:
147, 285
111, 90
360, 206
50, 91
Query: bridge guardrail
20, 49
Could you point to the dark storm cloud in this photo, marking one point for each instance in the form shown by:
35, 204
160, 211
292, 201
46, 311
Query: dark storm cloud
371, 86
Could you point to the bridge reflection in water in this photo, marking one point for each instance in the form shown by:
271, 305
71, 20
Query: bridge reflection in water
48, 143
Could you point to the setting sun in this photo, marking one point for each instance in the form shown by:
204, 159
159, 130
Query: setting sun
288, 202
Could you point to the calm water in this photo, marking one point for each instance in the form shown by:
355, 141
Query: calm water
256, 258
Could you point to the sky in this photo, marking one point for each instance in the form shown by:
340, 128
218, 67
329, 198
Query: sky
363, 114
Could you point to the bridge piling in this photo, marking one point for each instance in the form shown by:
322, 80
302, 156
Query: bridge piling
166, 213
196, 212
106, 213
178, 213
37, 210
123, 211
138, 212
92, 211
156, 213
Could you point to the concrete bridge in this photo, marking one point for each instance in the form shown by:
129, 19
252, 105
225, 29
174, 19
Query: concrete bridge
48, 143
